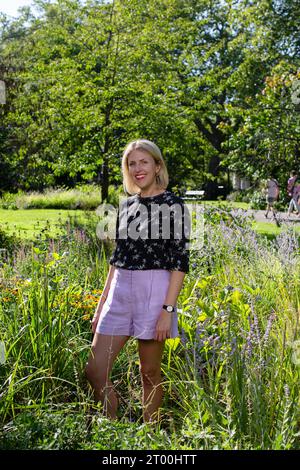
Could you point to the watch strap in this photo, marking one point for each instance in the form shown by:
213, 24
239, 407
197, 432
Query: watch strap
168, 308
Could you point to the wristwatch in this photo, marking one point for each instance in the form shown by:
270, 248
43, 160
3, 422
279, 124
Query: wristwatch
169, 308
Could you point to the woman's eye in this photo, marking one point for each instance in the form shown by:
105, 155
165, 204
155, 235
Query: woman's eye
133, 163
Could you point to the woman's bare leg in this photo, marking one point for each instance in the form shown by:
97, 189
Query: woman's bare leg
104, 351
150, 352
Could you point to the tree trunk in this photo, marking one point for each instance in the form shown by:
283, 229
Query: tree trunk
215, 137
104, 179
211, 190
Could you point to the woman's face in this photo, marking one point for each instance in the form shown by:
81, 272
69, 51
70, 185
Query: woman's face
143, 169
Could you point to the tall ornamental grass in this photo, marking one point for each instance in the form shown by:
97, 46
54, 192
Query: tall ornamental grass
85, 197
231, 380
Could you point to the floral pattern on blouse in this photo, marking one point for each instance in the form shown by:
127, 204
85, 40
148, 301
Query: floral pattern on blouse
152, 233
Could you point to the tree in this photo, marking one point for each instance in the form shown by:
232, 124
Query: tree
206, 47
266, 137
87, 85
84, 79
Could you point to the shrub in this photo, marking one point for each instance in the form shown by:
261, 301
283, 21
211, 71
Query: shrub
7, 243
9, 200
87, 197
60, 199
258, 200
240, 196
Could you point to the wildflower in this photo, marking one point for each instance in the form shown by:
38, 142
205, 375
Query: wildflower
286, 390
256, 325
233, 345
2, 353
229, 288
268, 329
97, 291
249, 342
87, 316
184, 338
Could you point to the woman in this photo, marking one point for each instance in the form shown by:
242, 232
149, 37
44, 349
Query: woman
293, 191
146, 274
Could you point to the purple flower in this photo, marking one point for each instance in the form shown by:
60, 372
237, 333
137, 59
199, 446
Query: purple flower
286, 390
268, 329
249, 343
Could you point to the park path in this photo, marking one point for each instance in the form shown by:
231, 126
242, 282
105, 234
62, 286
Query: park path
259, 216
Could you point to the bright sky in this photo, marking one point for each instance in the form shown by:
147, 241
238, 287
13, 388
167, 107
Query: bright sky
10, 7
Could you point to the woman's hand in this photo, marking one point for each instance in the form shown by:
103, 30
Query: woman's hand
97, 314
95, 320
163, 326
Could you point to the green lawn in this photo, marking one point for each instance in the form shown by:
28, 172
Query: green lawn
267, 228
271, 229
28, 224
234, 205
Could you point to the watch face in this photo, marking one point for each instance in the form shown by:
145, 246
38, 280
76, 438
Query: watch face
169, 308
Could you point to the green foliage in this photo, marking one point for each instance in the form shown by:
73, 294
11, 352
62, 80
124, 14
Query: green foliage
61, 199
45, 430
7, 242
231, 380
83, 197
258, 200
269, 132
8, 200
70, 429
211, 83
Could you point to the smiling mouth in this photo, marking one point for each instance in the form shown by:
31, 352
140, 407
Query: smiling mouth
140, 177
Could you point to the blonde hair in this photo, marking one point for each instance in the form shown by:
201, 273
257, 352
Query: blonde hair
153, 150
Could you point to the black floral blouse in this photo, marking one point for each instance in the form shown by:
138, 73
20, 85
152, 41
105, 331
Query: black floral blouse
152, 233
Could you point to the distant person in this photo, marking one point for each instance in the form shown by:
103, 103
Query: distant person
293, 190
296, 197
272, 194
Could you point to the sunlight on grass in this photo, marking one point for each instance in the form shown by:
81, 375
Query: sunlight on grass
28, 224
271, 229
227, 204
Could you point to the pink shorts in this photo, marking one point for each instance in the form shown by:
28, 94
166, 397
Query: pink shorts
134, 303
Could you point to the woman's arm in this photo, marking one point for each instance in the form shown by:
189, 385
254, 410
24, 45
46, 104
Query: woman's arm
178, 246
164, 324
103, 297
106, 286
176, 282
